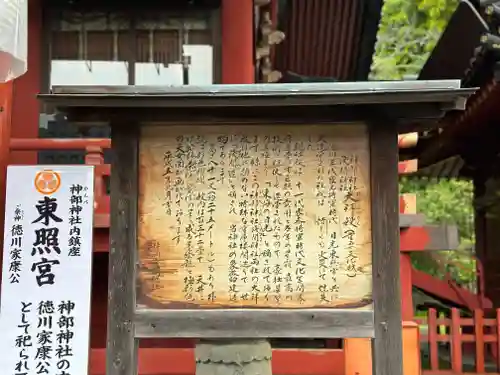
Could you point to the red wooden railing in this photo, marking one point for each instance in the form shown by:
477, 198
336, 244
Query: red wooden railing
460, 344
479, 290
94, 155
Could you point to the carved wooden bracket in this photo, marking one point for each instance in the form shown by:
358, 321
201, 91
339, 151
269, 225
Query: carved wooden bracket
266, 38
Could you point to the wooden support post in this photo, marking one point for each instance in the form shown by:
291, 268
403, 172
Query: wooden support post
6, 91
385, 236
121, 346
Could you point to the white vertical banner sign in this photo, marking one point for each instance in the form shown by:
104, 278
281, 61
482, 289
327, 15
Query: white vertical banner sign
47, 270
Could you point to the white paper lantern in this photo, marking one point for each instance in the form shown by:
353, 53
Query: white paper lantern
13, 39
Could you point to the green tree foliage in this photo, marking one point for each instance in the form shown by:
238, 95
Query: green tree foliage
408, 32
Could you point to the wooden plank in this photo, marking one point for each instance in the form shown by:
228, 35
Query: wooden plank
121, 355
411, 220
429, 238
387, 344
255, 323
342, 280
442, 237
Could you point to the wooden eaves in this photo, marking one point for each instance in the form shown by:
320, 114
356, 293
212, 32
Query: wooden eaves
410, 103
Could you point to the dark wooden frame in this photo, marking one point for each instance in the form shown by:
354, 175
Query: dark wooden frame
379, 109
383, 323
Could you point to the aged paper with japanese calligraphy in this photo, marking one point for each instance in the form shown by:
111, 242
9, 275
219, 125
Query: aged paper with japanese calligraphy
254, 216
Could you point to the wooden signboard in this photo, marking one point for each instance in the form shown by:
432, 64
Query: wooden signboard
254, 216
256, 211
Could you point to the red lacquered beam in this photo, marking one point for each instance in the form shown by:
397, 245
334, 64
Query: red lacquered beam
429, 238
35, 144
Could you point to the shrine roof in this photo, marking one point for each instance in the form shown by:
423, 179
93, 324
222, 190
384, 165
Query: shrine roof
467, 136
328, 38
333, 38
401, 101
458, 53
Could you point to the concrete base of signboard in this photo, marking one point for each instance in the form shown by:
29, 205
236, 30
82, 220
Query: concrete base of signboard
231, 357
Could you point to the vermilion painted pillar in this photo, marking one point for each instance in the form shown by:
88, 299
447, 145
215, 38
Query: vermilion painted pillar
358, 356
411, 349
406, 287
5, 130
407, 205
237, 41
25, 110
